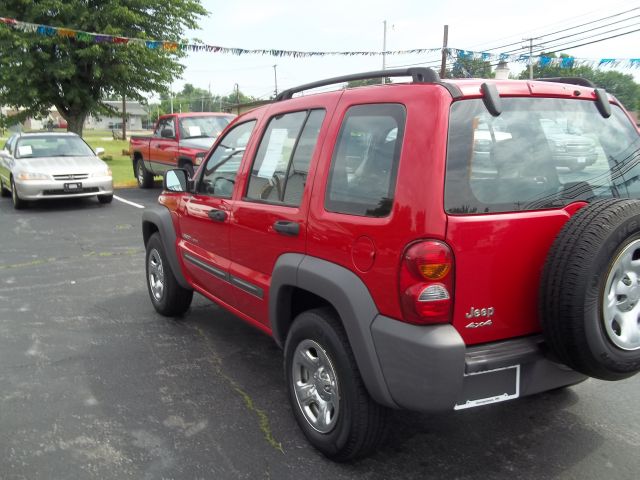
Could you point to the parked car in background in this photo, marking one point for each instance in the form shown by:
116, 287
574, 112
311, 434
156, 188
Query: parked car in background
39, 166
569, 148
178, 140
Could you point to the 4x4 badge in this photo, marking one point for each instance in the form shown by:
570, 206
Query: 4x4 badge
478, 313
487, 323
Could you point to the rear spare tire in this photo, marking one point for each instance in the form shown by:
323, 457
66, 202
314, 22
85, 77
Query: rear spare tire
590, 291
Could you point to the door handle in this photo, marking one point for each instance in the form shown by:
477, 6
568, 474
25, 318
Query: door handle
286, 227
217, 215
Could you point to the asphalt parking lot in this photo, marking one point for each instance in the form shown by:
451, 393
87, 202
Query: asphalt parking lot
95, 384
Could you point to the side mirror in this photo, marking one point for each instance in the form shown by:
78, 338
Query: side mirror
177, 180
99, 151
167, 133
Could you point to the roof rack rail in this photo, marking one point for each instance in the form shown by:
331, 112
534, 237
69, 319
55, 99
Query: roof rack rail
418, 74
583, 82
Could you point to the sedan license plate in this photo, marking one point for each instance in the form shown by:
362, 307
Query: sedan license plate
492, 386
72, 187
582, 160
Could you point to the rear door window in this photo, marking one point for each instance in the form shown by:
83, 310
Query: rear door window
539, 153
365, 162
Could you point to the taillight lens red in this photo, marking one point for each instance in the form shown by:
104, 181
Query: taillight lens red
426, 282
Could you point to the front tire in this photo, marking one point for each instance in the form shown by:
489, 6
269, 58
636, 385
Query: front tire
18, 203
5, 192
105, 198
143, 176
326, 392
167, 296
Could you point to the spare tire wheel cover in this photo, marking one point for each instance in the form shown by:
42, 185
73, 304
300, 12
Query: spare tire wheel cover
590, 291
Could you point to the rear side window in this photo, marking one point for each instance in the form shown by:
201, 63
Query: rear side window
538, 153
365, 161
280, 169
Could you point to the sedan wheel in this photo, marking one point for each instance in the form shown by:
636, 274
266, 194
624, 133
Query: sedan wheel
18, 203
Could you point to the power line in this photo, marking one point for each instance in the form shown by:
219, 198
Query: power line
564, 30
585, 31
558, 23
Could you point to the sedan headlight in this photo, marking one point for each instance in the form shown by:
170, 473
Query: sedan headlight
102, 173
33, 176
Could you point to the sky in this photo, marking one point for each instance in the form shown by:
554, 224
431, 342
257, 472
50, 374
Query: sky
346, 25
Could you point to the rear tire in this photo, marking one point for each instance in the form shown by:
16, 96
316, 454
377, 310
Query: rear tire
105, 198
327, 394
18, 203
167, 296
143, 176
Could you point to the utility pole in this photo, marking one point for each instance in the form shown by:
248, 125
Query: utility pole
531, 45
275, 78
237, 87
384, 48
124, 118
171, 97
445, 41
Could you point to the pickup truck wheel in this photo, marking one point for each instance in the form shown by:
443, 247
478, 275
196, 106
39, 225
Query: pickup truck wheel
167, 296
327, 394
143, 176
188, 166
590, 291
18, 203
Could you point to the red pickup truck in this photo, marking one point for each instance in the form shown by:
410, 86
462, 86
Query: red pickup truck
178, 140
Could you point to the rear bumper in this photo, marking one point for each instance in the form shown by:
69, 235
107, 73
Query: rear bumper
429, 368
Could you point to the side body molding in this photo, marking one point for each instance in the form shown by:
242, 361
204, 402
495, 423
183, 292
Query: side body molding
350, 298
160, 217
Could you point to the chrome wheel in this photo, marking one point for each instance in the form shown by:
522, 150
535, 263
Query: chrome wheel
141, 173
316, 386
156, 275
621, 302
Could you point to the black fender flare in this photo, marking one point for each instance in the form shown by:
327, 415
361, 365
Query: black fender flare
347, 294
160, 217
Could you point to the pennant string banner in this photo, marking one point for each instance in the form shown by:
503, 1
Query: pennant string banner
452, 53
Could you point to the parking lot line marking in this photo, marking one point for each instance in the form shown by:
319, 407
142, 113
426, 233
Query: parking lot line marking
137, 205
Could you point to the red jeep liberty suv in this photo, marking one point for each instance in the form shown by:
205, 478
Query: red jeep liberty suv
415, 245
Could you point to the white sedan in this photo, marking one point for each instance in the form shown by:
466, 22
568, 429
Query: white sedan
39, 166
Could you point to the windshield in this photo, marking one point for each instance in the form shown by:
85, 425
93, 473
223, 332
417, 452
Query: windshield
539, 153
203, 126
52, 146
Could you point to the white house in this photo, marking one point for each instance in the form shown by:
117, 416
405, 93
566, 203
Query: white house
136, 116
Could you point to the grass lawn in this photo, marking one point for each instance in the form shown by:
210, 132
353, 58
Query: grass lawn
119, 163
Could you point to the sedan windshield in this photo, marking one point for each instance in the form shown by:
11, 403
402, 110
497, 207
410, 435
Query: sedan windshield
203, 126
52, 146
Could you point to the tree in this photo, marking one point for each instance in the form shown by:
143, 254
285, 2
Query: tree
369, 81
470, 68
76, 75
621, 85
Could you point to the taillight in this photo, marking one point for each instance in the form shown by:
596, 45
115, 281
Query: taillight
426, 282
